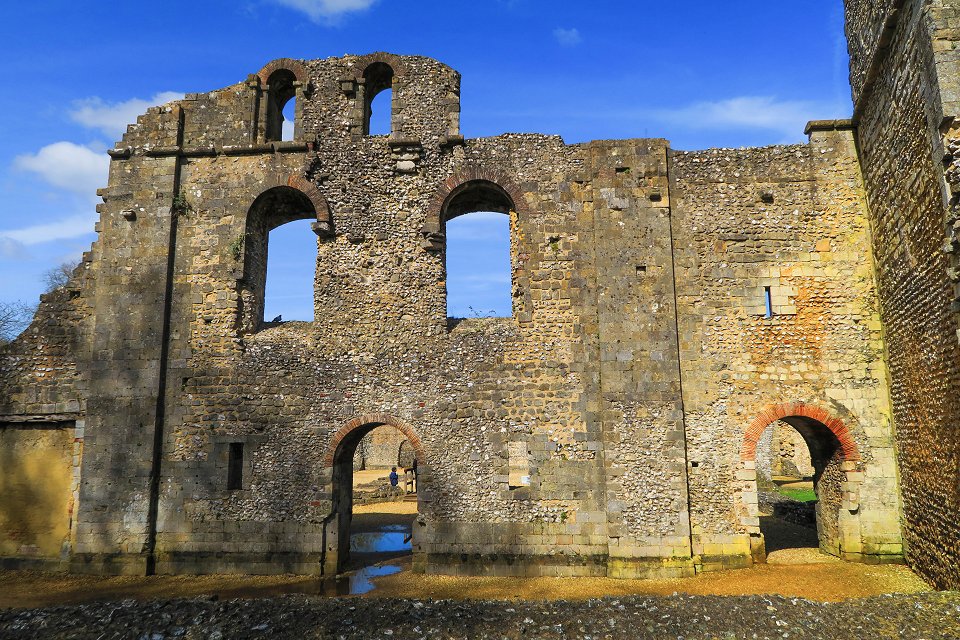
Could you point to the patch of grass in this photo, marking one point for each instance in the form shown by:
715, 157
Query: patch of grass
800, 495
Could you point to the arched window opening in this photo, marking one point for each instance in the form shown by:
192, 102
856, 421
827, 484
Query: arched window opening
281, 105
799, 479
477, 254
291, 267
376, 516
378, 99
291, 271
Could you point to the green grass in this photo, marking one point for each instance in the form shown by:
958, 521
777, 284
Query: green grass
801, 495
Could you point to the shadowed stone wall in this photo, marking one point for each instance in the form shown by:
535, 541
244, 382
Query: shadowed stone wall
905, 74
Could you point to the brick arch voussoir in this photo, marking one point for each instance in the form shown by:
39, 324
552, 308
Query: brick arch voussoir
774, 412
378, 419
394, 61
297, 68
308, 189
465, 175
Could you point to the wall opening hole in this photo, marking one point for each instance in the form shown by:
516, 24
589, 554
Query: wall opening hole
281, 105
378, 99
381, 111
291, 267
235, 467
477, 254
375, 497
278, 245
478, 266
799, 476
768, 303
289, 115
641, 269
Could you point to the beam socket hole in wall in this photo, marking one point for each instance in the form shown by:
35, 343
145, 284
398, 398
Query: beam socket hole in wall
641, 269
235, 466
477, 255
378, 100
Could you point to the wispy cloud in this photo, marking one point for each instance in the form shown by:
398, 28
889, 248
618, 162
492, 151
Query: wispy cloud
787, 117
71, 227
112, 118
325, 11
10, 249
65, 165
567, 37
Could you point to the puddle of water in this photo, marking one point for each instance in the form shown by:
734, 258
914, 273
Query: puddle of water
390, 539
361, 580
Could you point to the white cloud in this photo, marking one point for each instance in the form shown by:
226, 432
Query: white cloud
323, 11
747, 112
112, 118
567, 37
69, 166
10, 249
286, 130
71, 227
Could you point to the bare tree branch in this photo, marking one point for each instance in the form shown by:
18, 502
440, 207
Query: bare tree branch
14, 318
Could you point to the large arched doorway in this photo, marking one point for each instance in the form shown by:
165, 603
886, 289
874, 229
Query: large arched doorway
374, 519
796, 518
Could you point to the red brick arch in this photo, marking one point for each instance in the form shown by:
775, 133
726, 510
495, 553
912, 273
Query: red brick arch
375, 419
473, 173
297, 68
393, 61
774, 412
308, 189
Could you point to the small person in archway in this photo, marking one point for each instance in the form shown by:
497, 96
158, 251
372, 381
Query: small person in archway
394, 478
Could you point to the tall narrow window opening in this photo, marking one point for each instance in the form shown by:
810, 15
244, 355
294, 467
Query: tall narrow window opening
288, 127
235, 467
768, 302
278, 245
477, 252
378, 85
291, 268
281, 105
381, 112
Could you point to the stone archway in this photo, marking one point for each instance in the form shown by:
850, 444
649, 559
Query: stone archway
836, 459
338, 460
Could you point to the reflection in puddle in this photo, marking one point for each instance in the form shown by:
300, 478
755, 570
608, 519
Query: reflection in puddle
360, 581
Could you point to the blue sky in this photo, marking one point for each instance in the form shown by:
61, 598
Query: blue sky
700, 73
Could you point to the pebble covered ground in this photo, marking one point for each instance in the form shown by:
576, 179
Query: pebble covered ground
928, 616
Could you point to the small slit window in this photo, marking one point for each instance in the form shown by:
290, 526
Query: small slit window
768, 303
235, 466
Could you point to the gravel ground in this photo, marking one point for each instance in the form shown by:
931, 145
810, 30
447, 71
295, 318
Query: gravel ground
928, 615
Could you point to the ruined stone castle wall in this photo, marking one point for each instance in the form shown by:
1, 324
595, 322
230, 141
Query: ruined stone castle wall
608, 427
905, 94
